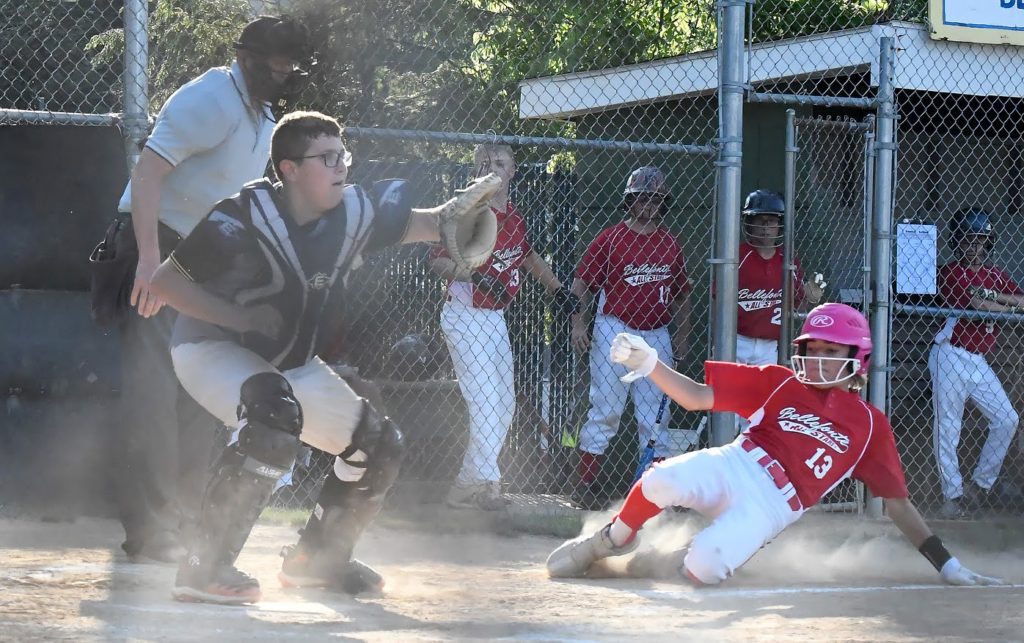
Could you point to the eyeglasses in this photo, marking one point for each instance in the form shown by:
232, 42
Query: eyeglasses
331, 158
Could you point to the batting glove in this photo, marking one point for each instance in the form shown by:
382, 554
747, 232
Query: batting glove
985, 293
490, 285
953, 573
635, 354
567, 302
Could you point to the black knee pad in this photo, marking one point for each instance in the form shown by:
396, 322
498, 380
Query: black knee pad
271, 423
268, 398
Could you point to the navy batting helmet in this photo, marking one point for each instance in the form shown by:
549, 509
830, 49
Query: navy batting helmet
764, 202
971, 222
761, 202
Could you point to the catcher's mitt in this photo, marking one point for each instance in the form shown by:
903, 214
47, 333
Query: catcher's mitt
468, 226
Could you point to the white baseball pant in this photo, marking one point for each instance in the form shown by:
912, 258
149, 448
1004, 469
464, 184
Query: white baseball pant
727, 485
213, 372
608, 394
755, 352
482, 356
959, 375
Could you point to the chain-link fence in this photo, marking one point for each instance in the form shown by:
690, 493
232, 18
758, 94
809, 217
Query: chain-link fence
957, 106
422, 86
896, 134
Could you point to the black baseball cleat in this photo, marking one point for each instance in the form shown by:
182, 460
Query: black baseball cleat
223, 585
299, 569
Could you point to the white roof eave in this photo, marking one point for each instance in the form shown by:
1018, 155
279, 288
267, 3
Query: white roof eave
921, 63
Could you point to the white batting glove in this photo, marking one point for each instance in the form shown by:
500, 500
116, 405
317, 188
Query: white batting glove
953, 573
635, 354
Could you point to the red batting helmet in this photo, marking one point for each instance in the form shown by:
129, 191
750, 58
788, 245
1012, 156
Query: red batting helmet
647, 180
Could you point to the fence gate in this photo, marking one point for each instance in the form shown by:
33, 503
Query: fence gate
830, 190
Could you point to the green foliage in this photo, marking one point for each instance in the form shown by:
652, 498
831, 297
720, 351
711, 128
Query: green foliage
776, 19
45, 65
449, 65
186, 37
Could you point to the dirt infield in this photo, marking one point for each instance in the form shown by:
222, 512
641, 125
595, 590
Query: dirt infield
825, 580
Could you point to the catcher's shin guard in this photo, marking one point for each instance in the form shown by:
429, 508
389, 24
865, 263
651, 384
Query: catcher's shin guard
323, 555
574, 558
240, 487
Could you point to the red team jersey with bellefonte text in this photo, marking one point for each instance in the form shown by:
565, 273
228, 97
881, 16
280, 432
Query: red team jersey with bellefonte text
509, 252
759, 303
819, 436
955, 283
640, 274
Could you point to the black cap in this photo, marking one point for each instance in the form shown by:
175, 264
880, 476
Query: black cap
272, 36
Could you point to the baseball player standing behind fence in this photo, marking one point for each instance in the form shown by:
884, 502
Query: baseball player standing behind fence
959, 368
638, 271
473, 321
811, 430
252, 283
761, 274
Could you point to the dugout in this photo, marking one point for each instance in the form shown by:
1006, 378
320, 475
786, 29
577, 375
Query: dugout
959, 133
60, 375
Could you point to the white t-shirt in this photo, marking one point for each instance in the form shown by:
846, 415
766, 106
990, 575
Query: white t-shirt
216, 141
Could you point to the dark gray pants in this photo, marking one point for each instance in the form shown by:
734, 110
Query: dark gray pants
165, 439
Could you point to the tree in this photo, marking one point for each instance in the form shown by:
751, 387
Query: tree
43, 60
186, 37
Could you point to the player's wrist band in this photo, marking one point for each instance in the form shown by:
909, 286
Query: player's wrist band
935, 552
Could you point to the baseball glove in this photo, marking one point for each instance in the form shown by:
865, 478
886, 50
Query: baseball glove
469, 228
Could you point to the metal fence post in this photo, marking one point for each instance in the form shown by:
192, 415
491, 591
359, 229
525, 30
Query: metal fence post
789, 225
136, 80
731, 87
881, 255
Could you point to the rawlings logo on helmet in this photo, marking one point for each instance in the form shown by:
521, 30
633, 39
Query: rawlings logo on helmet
821, 321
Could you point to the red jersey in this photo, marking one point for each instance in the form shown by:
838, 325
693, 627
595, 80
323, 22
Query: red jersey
819, 436
509, 252
955, 283
640, 275
759, 313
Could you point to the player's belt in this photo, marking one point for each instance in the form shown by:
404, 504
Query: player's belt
775, 472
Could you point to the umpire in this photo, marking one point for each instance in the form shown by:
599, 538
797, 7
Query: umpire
211, 136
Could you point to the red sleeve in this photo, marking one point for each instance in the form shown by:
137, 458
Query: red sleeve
437, 251
740, 388
682, 284
880, 468
953, 287
1011, 287
593, 268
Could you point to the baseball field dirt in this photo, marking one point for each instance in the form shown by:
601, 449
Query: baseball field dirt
828, 578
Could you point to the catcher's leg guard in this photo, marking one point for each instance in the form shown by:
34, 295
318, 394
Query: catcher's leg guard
243, 480
323, 556
574, 558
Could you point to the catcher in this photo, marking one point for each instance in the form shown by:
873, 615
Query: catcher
252, 283
809, 430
